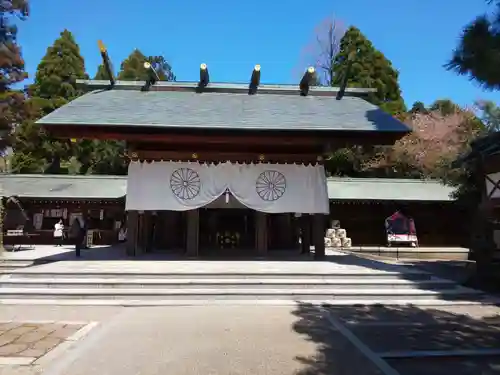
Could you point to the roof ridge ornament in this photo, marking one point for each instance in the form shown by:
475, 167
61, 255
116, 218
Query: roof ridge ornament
152, 76
106, 61
254, 80
204, 78
306, 81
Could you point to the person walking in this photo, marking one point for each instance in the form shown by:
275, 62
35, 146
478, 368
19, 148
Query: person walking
77, 235
58, 233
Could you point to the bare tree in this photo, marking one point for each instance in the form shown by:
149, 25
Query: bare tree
323, 48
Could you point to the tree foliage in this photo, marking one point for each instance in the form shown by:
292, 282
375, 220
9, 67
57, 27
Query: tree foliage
11, 68
12, 106
132, 68
436, 141
101, 73
370, 69
490, 115
56, 75
54, 86
478, 52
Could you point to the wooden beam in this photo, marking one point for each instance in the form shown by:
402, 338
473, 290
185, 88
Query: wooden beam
165, 135
172, 138
223, 156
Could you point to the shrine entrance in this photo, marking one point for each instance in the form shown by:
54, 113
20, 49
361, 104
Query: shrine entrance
227, 230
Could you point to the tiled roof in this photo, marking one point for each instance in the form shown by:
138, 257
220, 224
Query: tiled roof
225, 107
63, 186
388, 189
109, 187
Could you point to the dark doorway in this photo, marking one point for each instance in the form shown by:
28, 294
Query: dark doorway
169, 230
226, 230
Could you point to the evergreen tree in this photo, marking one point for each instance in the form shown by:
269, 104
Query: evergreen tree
478, 52
101, 73
11, 69
54, 86
445, 107
132, 68
418, 107
58, 71
490, 115
370, 69
12, 107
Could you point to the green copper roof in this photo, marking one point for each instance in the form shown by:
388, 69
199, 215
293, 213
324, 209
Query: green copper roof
63, 186
110, 187
388, 189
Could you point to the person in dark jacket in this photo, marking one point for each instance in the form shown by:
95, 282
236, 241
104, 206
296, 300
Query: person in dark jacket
77, 235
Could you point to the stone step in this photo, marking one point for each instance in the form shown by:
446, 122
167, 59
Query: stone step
199, 283
245, 302
239, 294
14, 264
34, 273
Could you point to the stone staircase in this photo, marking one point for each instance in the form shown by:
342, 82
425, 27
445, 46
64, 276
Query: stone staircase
91, 283
7, 265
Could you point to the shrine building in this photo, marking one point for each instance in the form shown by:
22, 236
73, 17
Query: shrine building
213, 160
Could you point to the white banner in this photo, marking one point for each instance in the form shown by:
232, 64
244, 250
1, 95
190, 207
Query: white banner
270, 188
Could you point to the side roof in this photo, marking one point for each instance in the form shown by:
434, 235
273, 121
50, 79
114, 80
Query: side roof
112, 187
63, 186
388, 189
172, 105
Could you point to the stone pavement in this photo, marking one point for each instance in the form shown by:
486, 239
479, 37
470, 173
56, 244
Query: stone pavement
25, 342
270, 340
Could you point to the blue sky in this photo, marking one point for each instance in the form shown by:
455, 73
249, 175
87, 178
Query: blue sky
232, 36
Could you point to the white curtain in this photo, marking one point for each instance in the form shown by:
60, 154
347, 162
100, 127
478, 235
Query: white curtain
270, 188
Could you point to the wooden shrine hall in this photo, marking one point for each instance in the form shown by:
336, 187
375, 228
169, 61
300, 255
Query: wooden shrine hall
220, 166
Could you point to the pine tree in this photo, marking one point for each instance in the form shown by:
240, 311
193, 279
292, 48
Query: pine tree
59, 69
132, 68
370, 69
478, 52
54, 86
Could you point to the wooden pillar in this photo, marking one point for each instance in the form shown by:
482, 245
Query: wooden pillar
132, 232
305, 229
261, 233
148, 235
139, 248
318, 235
193, 219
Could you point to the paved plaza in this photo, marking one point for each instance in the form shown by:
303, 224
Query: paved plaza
236, 339
227, 337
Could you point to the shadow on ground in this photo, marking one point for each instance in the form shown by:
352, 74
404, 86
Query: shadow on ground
398, 329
